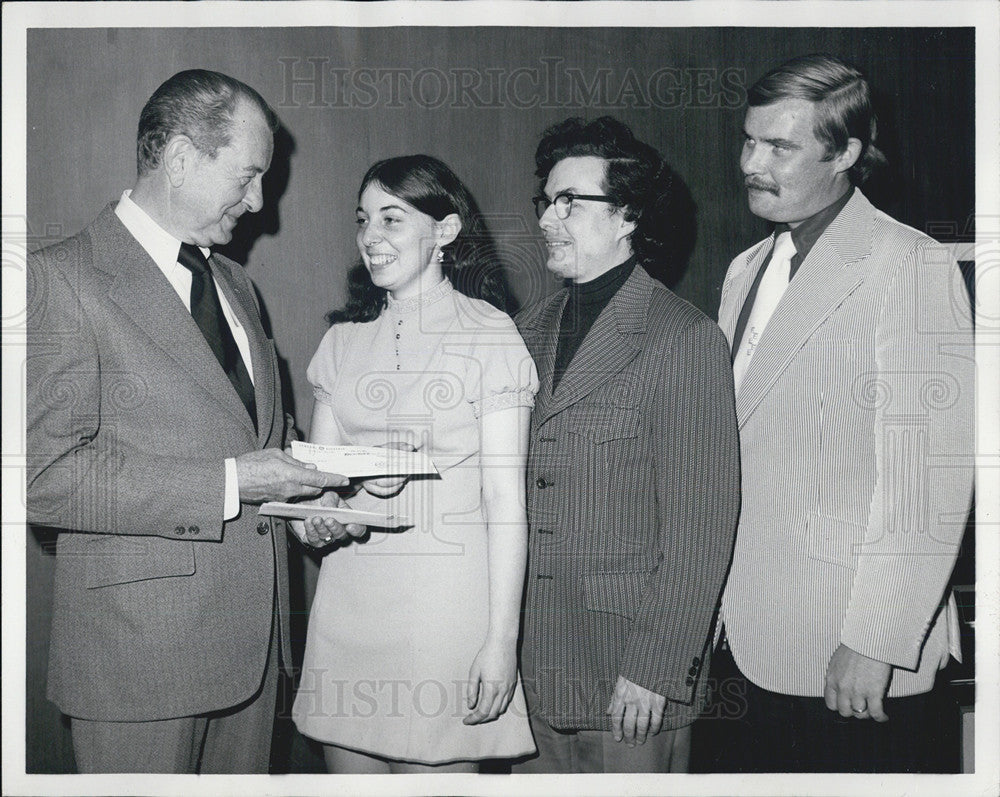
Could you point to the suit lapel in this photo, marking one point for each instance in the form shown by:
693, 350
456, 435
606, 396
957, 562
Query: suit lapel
612, 343
144, 295
740, 282
541, 336
832, 271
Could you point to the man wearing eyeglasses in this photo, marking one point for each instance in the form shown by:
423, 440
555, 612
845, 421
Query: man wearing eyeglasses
633, 473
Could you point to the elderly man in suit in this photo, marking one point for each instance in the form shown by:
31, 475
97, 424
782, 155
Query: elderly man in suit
154, 425
632, 471
852, 356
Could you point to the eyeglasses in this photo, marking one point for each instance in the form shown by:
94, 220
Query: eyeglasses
564, 203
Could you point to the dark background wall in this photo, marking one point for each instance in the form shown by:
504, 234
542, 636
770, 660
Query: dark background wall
478, 98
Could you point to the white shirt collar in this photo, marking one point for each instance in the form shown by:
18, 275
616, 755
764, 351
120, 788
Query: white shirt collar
163, 248
159, 244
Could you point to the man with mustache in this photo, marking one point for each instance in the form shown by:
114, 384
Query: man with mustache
154, 428
852, 356
632, 469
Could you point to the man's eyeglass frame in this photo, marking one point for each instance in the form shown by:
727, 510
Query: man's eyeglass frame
564, 203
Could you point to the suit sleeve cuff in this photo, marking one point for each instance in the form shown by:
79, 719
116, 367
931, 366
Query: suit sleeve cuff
231, 507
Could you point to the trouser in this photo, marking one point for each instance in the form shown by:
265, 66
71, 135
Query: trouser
591, 751
790, 733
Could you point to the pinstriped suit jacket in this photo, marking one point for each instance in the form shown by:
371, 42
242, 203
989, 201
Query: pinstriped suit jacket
632, 502
856, 432
160, 610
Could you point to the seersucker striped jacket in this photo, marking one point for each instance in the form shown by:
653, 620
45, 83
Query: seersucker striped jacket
633, 481
856, 435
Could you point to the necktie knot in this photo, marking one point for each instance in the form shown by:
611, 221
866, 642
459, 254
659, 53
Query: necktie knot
784, 247
193, 260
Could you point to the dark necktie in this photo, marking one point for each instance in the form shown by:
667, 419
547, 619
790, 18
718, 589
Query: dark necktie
207, 313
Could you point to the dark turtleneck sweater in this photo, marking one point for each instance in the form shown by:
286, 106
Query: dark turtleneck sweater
585, 302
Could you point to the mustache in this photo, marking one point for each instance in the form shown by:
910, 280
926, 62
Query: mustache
759, 186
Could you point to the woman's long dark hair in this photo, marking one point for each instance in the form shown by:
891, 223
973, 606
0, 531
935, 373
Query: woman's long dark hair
470, 261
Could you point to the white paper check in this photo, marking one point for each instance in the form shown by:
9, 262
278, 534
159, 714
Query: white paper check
340, 513
364, 462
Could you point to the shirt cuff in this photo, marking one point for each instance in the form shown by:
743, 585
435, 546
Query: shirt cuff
231, 508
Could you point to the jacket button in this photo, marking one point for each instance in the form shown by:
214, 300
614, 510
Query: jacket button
540, 483
262, 528
693, 671
193, 530
689, 681
180, 530
696, 661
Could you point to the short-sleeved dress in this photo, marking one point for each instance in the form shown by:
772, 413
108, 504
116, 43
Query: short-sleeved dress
399, 617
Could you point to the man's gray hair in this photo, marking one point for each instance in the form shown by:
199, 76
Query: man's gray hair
196, 103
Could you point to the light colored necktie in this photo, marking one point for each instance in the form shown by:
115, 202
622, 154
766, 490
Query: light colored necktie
769, 292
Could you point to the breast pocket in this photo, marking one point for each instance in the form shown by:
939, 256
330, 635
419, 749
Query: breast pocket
602, 423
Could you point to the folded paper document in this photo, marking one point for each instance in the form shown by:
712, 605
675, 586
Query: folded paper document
364, 462
340, 513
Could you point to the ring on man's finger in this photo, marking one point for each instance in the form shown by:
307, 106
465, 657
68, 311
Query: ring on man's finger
859, 711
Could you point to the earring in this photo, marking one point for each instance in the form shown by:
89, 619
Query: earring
440, 256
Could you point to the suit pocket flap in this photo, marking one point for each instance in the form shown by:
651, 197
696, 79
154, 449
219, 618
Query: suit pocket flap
122, 560
614, 593
834, 540
604, 423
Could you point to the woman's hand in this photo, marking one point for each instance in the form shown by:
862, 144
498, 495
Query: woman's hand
492, 678
390, 485
320, 531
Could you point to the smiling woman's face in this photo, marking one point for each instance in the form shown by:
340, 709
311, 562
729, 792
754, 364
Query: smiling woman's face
397, 243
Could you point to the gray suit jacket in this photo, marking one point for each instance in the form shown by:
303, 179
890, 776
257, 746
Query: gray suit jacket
161, 609
632, 503
856, 435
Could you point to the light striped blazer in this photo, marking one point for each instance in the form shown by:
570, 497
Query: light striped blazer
856, 435
633, 481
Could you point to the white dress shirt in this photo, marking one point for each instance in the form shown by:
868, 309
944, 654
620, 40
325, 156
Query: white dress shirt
163, 248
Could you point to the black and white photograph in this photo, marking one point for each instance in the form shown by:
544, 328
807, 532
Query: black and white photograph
449, 398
